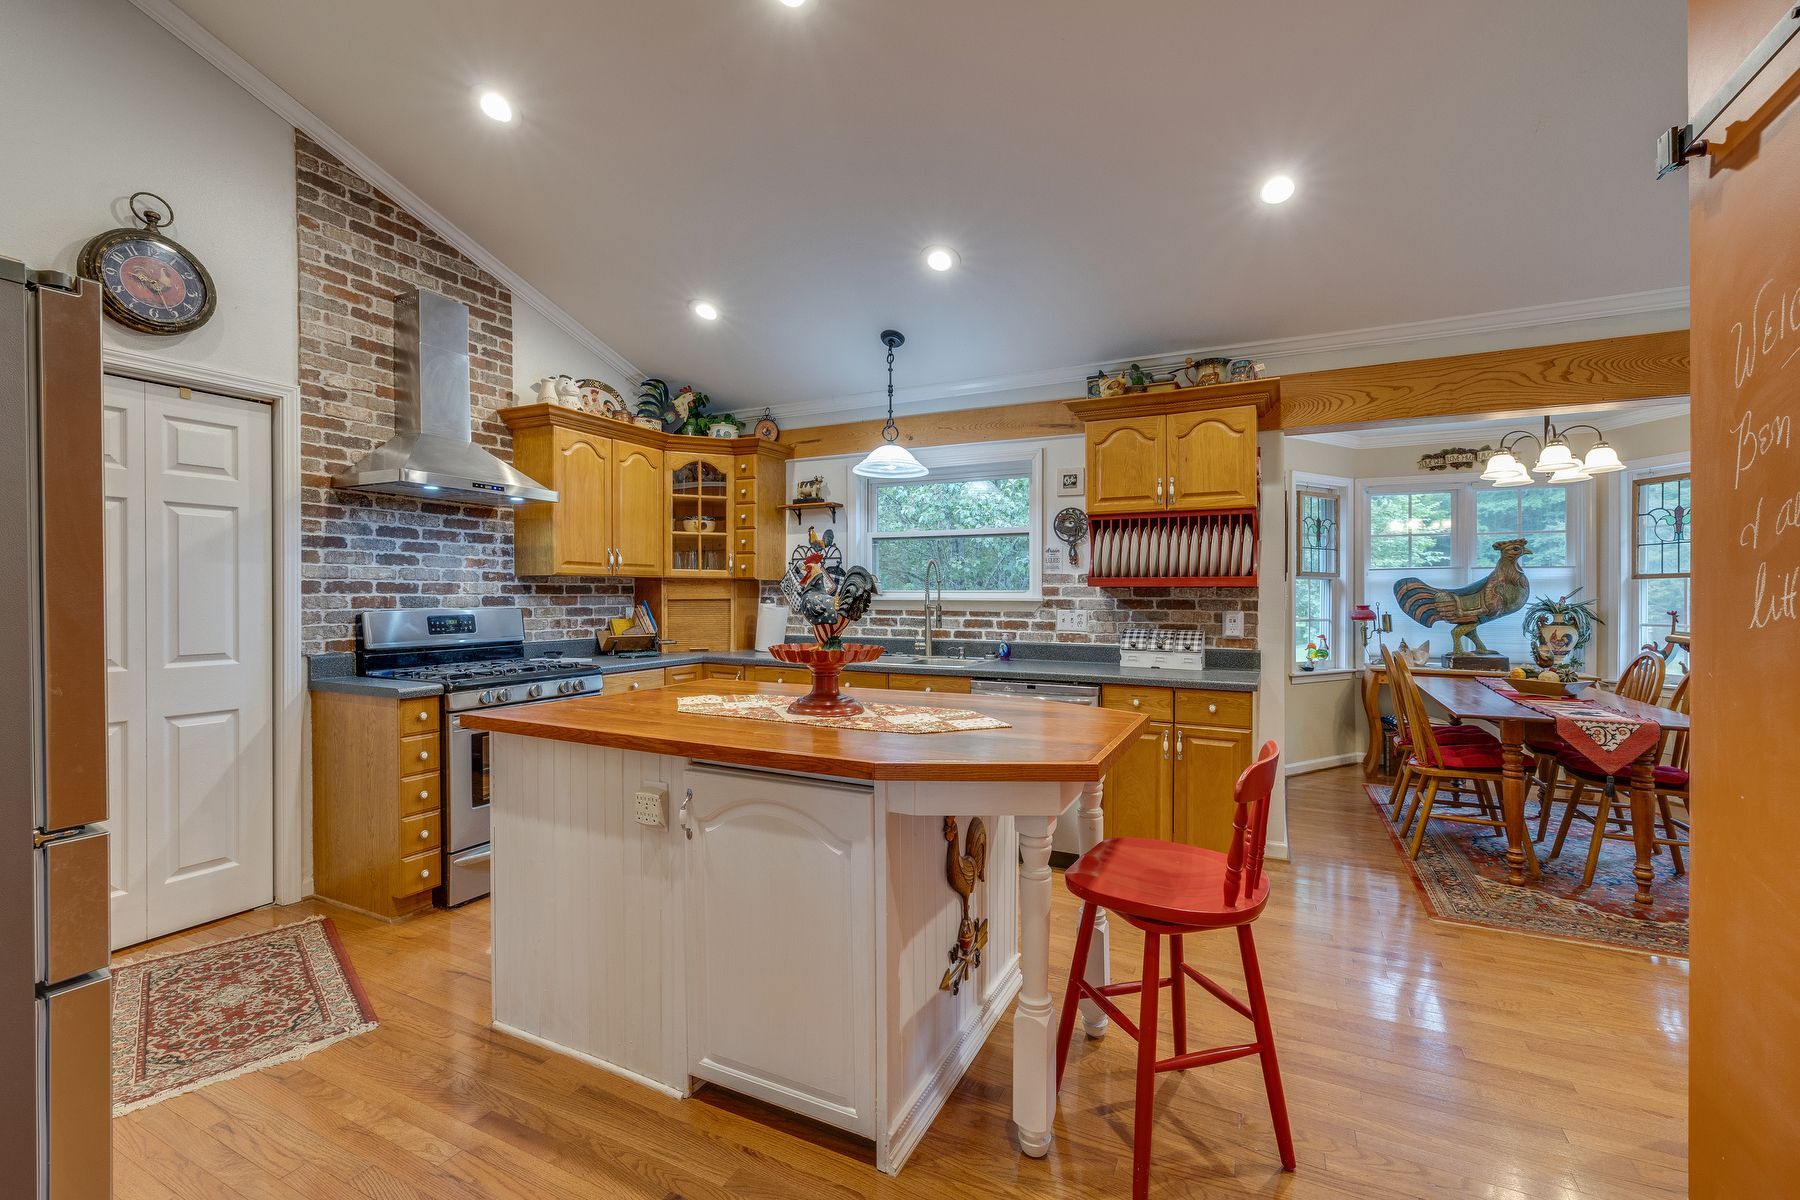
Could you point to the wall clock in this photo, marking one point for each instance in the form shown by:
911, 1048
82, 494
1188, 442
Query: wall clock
766, 429
149, 282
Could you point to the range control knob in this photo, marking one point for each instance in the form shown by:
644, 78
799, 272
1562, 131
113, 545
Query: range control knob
534, 691
485, 698
502, 695
581, 685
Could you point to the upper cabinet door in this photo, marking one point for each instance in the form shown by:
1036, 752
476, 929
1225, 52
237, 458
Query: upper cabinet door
637, 509
583, 477
1126, 464
1212, 458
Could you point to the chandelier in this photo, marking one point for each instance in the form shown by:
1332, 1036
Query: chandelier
1555, 459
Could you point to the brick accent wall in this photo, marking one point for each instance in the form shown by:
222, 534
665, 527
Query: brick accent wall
358, 250
1109, 611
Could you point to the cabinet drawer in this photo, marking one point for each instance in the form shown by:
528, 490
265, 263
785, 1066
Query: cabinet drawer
719, 671
418, 716
635, 681
779, 675
744, 543
419, 754
744, 518
743, 566
419, 794
746, 491
418, 873
681, 674
420, 833
865, 679
1156, 703
1228, 709
746, 468
928, 683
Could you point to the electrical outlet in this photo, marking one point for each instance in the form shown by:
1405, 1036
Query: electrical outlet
1234, 624
653, 808
1071, 620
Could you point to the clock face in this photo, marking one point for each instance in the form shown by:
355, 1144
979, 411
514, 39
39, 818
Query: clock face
767, 430
149, 283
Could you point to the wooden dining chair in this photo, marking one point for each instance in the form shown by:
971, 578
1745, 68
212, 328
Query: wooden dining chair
1611, 817
1169, 890
1642, 680
1402, 781
1453, 792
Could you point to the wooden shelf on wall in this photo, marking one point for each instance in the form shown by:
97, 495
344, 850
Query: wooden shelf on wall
1211, 548
806, 506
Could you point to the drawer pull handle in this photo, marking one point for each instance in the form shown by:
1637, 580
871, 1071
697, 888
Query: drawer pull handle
424, 716
424, 794
1177, 745
424, 872
1137, 702
1212, 708
424, 835
424, 754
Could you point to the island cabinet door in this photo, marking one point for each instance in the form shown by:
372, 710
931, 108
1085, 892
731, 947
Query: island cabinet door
1137, 794
781, 941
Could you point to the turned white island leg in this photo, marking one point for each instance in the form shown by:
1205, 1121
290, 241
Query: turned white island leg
1034, 1019
1092, 828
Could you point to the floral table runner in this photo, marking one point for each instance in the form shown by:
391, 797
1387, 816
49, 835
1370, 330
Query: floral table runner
875, 718
1606, 737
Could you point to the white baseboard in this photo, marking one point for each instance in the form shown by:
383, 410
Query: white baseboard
1277, 851
590, 1060
1308, 765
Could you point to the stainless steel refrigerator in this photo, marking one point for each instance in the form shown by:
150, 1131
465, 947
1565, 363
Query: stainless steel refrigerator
55, 989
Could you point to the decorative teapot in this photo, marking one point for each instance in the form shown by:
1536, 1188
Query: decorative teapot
546, 390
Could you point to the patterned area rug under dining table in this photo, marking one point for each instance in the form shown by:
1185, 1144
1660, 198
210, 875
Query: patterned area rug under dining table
198, 1016
1461, 876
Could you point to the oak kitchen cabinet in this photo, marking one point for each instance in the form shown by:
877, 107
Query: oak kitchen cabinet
1178, 450
1176, 782
630, 500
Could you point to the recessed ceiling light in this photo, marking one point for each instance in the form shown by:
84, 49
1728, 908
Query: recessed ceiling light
496, 106
705, 310
940, 258
1277, 189
793, 3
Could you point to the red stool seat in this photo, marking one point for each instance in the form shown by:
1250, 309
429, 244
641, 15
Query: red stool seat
1169, 891
1165, 882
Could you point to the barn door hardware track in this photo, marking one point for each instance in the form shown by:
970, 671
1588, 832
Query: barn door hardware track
1682, 142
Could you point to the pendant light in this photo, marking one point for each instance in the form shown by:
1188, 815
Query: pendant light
1504, 468
890, 460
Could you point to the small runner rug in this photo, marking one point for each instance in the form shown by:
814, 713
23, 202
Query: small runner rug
194, 1017
874, 718
1461, 877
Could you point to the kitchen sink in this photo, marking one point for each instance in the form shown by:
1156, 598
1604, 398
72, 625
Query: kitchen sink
932, 660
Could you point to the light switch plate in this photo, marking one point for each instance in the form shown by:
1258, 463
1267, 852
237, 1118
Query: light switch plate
1070, 620
653, 807
1234, 624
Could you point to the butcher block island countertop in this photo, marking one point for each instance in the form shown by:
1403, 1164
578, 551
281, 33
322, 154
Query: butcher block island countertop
1062, 743
828, 920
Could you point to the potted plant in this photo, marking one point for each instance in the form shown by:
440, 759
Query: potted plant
1559, 628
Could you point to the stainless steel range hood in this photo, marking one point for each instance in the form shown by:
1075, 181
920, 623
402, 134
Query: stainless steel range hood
431, 455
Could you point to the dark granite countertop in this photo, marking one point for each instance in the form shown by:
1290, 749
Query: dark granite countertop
1237, 671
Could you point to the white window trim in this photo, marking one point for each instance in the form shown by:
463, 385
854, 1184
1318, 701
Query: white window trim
1623, 643
1349, 544
1581, 534
997, 457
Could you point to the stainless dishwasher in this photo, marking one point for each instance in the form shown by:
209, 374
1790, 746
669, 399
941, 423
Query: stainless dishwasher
1067, 839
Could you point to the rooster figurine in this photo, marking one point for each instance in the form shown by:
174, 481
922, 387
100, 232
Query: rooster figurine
1503, 592
963, 870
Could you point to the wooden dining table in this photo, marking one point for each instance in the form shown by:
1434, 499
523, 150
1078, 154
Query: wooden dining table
1469, 699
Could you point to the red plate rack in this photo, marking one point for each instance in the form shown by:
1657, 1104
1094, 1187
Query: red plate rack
1215, 548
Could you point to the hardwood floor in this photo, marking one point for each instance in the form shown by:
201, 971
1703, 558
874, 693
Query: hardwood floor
1420, 1059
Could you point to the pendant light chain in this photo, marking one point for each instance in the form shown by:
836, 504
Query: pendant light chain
890, 432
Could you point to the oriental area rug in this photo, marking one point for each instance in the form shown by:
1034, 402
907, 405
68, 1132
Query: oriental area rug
875, 718
1461, 877
198, 1016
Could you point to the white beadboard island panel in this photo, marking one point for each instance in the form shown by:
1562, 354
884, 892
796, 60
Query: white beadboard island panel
587, 917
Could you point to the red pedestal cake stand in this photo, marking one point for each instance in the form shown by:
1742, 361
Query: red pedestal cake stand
825, 700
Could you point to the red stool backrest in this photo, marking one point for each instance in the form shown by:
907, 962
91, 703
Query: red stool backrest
1250, 824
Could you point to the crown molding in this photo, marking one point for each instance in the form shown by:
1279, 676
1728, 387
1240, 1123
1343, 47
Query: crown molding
274, 97
1666, 308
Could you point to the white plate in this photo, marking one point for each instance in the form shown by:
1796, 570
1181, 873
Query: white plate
1247, 559
1163, 534
1128, 565
1229, 558
1184, 560
1105, 548
1210, 567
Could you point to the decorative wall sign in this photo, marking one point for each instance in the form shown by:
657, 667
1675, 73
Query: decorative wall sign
963, 870
1454, 458
1070, 482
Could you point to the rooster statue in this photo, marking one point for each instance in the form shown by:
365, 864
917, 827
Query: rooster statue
1503, 592
826, 602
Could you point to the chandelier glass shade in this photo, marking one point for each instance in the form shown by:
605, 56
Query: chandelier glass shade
890, 460
1505, 468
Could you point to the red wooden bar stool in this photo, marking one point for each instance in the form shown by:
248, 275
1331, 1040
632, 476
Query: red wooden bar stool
1170, 890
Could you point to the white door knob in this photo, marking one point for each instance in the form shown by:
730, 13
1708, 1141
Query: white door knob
424, 795
424, 835
424, 716
424, 754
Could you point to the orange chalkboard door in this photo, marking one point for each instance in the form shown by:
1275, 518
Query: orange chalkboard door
1744, 255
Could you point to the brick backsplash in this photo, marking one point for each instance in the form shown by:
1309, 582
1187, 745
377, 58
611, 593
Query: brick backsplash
358, 250
1109, 611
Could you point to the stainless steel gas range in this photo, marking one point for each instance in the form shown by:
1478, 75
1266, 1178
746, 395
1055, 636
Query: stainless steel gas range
478, 656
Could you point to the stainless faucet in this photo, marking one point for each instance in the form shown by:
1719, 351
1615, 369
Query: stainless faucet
934, 613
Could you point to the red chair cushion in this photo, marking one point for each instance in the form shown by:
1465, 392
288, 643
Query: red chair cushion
1459, 734
1546, 744
1472, 756
1161, 881
1665, 776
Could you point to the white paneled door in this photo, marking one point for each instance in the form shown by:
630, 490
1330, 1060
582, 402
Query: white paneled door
189, 644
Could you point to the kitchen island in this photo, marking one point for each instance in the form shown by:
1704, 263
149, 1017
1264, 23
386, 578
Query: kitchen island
769, 907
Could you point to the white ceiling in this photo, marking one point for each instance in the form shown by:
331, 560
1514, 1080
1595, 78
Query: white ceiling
1096, 165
